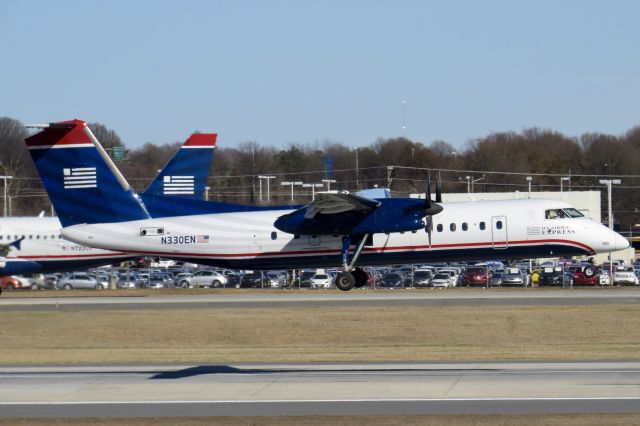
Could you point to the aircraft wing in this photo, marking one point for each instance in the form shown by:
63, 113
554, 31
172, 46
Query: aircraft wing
348, 214
332, 204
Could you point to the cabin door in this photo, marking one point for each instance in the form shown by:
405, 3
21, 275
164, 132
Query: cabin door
499, 237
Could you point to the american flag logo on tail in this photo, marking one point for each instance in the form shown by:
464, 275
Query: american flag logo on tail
177, 185
79, 177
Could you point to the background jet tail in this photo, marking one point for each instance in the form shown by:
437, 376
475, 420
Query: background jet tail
82, 182
185, 175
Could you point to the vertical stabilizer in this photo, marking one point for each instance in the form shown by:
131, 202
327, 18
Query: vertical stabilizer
185, 175
83, 183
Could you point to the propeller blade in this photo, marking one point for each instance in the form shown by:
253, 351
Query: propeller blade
428, 228
428, 191
438, 189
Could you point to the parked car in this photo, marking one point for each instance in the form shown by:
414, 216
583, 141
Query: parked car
496, 278
10, 283
550, 276
182, 279
475, 276
251, 279
422, 277
441, 280
32, 281
321, 281
585, 276
204, 278
624, 277
233, 277
393, 280
276, 279
454, 275
304, 278
514, 276
79, 280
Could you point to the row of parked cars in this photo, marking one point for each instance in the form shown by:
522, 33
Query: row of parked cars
523, 274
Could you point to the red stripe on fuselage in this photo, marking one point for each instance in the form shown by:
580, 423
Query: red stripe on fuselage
368, 249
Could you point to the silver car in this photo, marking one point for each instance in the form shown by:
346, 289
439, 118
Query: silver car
204, 279
79, 280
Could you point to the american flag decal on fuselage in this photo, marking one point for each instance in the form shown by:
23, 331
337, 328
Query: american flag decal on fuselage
79, 177
177, 185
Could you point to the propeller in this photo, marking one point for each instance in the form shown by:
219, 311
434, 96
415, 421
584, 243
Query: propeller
430, 207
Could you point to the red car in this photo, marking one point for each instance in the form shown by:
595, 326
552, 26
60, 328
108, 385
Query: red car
9, 283
476, 276
586, 276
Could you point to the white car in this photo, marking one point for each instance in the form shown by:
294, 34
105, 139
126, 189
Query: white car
321, 281
441, 280
624, 278
453, 275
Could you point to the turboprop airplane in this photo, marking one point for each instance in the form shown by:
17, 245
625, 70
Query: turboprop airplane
35, 244
344, 229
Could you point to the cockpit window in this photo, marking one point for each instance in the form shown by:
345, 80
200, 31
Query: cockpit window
573, 213
554, 214
562, 213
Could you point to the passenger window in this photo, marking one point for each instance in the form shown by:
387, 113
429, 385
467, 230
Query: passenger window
452, 227
482, 226
499, 224
439, 227
465, 226
274, 235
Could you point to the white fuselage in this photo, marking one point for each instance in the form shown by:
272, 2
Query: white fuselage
43, 249
465, 230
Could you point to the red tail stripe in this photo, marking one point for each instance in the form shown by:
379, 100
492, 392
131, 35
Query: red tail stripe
202, 139
62, 133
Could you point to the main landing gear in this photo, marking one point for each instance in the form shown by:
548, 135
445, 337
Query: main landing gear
351, 277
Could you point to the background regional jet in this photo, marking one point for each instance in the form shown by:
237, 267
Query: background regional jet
344, 229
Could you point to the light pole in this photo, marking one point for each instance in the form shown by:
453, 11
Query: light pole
476, 180
206, 193
608, 183
292, 184
468, 178
329, 182
357, 179
313, 187
5, 178
562, 179
529, 178
268, 178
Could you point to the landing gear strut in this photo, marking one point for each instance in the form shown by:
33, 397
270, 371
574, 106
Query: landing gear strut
351, 277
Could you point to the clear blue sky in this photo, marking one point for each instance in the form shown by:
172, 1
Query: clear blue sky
300, 71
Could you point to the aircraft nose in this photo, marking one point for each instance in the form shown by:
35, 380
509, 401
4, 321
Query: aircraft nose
618, 242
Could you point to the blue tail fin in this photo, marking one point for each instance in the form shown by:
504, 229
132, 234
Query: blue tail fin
83, 183
185, 175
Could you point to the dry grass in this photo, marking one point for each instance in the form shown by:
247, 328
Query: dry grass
452, 420
226, 335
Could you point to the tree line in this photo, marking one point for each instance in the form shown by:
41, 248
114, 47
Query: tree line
494, 163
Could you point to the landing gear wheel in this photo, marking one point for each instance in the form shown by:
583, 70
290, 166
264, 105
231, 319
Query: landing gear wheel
361, 277
589, 271
345, 281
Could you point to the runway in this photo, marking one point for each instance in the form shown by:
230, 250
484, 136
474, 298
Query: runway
320, 389
303, 298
